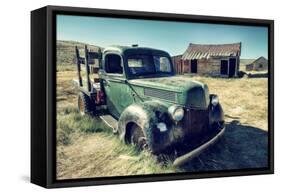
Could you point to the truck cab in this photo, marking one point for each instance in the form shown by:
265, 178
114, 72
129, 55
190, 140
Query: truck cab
122, 65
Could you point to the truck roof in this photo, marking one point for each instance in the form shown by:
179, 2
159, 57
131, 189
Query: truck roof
134, 50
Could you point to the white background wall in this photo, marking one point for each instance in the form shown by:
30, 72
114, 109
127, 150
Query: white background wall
15, 94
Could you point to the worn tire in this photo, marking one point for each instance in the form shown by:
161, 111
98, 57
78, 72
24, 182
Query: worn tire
85, 104
137, 137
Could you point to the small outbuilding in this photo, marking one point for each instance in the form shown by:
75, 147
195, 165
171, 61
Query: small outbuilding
210, 59
177, 61
260, 64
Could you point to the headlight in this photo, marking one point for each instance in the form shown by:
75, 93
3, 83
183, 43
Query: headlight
214, 100
176, 112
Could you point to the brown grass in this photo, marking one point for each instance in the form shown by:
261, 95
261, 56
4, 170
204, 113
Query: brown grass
242, 99
87, 148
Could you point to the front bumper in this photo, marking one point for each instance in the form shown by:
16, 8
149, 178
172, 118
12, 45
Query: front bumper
195, 152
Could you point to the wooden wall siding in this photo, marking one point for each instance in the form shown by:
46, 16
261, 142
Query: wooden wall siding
263, 67
212, 67
205, 67
178, 67
186, 66
249, 67
256, 67
178, 64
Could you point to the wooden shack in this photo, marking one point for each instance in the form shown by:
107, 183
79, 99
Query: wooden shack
210, 59
177, 61
260, 64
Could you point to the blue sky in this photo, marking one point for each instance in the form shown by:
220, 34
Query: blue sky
173, 37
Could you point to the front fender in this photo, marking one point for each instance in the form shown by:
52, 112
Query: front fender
216, 115
146, 115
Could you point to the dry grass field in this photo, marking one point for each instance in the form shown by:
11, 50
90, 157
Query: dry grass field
87, 148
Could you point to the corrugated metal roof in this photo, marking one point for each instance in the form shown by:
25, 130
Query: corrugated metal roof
199, 51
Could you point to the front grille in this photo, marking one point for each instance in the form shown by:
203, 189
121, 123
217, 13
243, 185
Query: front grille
198, 97
162, 94
196, 123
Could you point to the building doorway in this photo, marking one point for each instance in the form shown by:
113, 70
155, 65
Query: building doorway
224, 67
232, 67
193, 68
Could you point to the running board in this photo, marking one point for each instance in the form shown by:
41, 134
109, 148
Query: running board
110, 121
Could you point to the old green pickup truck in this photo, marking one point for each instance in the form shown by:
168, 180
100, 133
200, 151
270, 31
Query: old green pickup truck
146, 103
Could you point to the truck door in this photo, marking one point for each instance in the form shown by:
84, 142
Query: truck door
114, 81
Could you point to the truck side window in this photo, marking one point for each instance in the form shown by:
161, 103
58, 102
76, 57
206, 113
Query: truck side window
113, 64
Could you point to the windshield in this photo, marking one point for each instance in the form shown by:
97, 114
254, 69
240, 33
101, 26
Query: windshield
149, 64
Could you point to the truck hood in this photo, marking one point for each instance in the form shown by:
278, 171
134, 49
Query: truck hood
176, 89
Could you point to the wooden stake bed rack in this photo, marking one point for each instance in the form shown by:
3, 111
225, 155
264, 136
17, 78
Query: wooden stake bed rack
92, 60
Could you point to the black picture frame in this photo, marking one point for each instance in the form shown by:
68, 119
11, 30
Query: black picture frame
43, 95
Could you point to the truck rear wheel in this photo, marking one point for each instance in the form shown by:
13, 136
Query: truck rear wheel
85, 104
137, 137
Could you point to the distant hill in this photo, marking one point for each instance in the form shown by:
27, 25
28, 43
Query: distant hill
66, 51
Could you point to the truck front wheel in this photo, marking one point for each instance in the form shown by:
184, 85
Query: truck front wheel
85, 104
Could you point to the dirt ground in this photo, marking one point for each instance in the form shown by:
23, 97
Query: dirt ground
86, 148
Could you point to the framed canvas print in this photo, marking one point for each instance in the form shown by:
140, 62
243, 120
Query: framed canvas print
125, 96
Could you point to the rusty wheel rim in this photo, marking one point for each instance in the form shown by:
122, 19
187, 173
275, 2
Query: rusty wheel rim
138, 138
